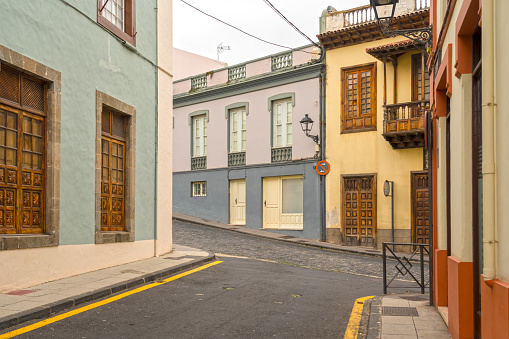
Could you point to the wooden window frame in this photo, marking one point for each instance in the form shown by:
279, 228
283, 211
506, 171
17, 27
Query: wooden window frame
128, 235
228, 110
284, 123
416, 62
52, 79
374, 107
129, 32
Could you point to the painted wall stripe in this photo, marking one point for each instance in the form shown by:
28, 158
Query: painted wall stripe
102, 302
355, 318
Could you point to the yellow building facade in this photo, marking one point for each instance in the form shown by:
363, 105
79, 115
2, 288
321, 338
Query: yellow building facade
375, 104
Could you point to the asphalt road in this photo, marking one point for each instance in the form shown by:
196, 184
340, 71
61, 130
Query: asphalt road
262, 289
239, 298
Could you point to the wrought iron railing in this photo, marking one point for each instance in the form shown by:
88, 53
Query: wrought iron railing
405, 116
198, 163
199, 82
236, 73
405, 267
237, 159
281, 154
281, 61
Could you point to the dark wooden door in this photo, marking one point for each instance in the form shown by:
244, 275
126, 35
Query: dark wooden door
420, 208
359, 222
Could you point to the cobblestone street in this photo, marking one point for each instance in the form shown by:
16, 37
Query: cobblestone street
236, 244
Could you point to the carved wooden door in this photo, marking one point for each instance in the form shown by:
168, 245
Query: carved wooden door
420, 208
22, 153
359, 221
113, 150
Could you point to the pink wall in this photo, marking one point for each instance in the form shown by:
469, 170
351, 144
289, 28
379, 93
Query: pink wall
258, 150
186, 64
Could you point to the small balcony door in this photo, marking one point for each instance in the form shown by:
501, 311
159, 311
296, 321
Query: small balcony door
283, 202
238, 202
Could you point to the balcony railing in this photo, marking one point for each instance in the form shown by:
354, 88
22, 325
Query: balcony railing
237, 73
199, 82
281, 154
198, 163
237, 159
404, 124
282, 61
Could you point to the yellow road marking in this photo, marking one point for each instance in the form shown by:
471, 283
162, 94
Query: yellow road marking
102, 302
355, 318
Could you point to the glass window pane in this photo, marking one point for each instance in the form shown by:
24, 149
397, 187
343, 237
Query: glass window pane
106, 146
2, 155
105, 160
27, 125
37, 144
27, 142
27, 160
37, 128
11, 138
2, 136
37, 161
2, 118
11, 121
204, 188
10, 156
105, 174
292, 195
244, 120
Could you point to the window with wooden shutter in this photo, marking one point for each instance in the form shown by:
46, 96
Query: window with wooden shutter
119, 17
113, 164
359, 99
22, 153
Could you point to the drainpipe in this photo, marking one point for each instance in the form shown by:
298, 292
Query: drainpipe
156, 133
488, 140
322, 143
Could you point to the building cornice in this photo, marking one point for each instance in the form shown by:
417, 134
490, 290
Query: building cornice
257, 83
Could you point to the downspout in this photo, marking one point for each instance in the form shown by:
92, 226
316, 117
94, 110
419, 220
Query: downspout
322, 144
156, 133
488, 141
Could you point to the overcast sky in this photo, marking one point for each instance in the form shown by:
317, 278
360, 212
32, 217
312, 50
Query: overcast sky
194, 32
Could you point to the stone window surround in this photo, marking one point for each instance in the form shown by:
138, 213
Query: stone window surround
107, 237
53, 119
190, 117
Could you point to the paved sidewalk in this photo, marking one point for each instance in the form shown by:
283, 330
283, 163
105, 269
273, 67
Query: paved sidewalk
406, 316
42, 300
283, 237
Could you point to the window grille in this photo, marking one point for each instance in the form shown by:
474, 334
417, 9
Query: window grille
237, 73
199, 82
199, 189
282, 61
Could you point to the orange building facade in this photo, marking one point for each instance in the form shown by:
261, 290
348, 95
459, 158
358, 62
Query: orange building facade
470, 165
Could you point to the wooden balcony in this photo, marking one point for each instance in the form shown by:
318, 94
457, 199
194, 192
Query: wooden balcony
404, 124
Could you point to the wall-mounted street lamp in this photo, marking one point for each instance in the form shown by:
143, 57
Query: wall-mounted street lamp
384, 14
307, 125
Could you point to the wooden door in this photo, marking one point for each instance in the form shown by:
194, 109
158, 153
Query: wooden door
359, 209
238, 202
113, 151
420, 208
271, 202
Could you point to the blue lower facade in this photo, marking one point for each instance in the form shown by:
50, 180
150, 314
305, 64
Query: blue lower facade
215, 205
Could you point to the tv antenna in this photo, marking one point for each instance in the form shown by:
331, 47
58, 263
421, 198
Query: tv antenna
221, 49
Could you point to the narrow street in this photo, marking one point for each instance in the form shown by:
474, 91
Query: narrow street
262, 288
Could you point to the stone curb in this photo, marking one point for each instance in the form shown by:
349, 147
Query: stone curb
287, 238
60, 305
374, 323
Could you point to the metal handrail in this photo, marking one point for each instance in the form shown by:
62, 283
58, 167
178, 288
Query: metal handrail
406, 266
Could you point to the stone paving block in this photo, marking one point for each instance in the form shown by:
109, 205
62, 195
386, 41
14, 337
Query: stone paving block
398, 329
399, 336
433, 334
396, 302
429, 323
399, 320
23, 305
5, 313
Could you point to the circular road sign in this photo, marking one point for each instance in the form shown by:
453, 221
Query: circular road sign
322, 167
